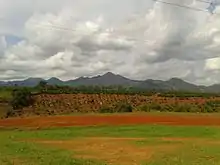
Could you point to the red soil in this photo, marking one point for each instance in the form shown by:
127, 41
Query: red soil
90, 120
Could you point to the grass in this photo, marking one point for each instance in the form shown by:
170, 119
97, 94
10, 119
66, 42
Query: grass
5, 94
202, 148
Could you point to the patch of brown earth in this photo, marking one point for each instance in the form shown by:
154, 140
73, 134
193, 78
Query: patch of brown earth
111, 150
122, 119
192, 140
14, 161
180, 139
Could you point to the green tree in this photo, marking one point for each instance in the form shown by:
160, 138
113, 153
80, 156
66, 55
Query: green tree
42, 86
21, 98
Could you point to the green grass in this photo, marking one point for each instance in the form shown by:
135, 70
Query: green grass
14, 149
5, 94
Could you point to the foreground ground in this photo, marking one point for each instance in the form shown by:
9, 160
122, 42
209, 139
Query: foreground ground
116, 145
116, 139
116, 119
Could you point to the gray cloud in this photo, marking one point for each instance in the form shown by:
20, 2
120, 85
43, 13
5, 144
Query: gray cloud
139, 39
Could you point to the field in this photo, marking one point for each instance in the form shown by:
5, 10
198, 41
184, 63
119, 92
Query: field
148, 139
86, 135
63, 104
5, 96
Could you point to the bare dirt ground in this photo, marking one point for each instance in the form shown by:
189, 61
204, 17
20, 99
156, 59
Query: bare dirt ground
124, 119
119, 150
124, 150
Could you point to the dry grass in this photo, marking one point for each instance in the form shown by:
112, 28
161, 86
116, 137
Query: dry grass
101, 145
112, 150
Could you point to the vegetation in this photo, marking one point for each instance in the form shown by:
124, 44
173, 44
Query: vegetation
166, 145
208, 107
131, 98
106, 109
181, 94
123, 107
5, 94
120, 107
21, 98
43, 87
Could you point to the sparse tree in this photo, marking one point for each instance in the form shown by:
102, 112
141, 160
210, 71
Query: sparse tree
42, 86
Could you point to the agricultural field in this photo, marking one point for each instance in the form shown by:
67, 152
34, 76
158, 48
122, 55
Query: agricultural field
109, 129
88, 140
62, 104
57, 100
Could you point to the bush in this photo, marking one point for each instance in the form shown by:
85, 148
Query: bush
168, 108
21, 98
155, 106
174, 107
144, 108
183, 108
106, 109
123, 107
150, 107
208, 108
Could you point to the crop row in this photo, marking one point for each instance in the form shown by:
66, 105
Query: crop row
49, 104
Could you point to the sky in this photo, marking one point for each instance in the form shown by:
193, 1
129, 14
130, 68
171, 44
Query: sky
139, 39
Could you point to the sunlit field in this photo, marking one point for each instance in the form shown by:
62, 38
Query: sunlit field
147, 145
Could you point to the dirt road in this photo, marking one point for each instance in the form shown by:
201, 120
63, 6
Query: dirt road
90, 120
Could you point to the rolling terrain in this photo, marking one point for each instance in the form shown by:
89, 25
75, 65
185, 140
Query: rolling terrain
111, 79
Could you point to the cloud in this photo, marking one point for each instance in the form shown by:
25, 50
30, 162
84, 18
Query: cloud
213, 64
140, 40
3, 44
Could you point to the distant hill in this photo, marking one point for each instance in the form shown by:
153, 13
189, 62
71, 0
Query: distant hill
173, 84
54, 81
30, 82
109, 78
104, 80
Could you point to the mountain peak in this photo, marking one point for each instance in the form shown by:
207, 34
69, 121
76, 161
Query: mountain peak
109, 74
34, 79
54, 81
110, 78
175, 79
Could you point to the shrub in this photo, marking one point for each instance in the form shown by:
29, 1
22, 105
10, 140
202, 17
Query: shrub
182, 108
208, 108
122, 107
174, 107
144, 108
150, 107
155, 106
21, 98
168, 108
42, 86
106, 109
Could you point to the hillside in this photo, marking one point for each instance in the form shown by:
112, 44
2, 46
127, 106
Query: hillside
104, 80
111, 79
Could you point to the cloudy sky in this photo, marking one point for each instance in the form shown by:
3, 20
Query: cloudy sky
139, 39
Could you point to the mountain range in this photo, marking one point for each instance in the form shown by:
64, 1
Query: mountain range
174, 84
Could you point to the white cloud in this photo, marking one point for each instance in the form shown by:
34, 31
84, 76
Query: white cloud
3, 44
213, 64
138, 39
